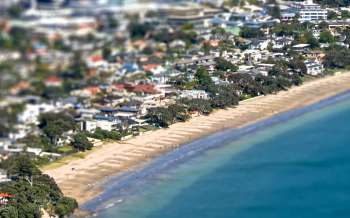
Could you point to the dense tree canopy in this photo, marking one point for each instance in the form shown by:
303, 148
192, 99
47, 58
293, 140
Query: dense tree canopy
225, 65
226, 96
55, 124
247, 32
204, 80
337, 57
202, 106
163, 117
31, 195
326, 37
81, 142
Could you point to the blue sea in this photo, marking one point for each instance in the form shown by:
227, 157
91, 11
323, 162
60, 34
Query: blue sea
296, 164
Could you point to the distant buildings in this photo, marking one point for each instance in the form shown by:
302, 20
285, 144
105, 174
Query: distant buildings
309, 11
306, 11
198, 17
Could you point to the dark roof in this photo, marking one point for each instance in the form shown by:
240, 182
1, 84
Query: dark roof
128, 109
107, 118
107, 110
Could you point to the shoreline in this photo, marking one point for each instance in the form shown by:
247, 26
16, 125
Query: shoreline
118, 188
118, 158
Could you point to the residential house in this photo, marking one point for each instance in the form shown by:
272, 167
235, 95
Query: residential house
4, 198
309, 11
317, 55
194, 94
313, 68
3, 176
107, 123
31, 112
53, 81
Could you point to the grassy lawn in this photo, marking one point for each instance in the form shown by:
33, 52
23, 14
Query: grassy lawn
65, 149
148, 128
67, 159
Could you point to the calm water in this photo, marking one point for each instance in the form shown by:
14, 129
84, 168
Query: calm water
299, 168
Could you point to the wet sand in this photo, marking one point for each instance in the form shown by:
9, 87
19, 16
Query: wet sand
112, 158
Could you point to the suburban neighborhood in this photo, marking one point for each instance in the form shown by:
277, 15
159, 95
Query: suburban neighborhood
74, 74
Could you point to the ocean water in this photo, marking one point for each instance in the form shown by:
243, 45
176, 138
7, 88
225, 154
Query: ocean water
297, 167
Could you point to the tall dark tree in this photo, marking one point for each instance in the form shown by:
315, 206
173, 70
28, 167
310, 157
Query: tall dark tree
81, 142
204, 80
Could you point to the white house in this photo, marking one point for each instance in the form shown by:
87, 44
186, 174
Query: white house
32, 111
3, 176
194, 94
309, 11
35, 151
107, 124
313, 68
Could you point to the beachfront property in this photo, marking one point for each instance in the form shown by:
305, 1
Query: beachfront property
194, 94
313, 68
92, 74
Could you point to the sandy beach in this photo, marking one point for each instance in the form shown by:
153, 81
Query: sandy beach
112, 158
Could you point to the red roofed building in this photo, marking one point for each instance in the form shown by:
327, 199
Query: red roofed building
95, 61
150, 67
53, 81
20, 86
119, 87
96, 58
140, 44
144, 89
4, 198
214, 43
93, 90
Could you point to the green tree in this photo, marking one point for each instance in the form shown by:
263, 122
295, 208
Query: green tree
203, 79
247, 32
345, 14
224, 65
78, 66
284, 29
106, 52
275, 11
81, 142
308, 38
332, 15
30, 197
326, 37
65, 206
203, 106
138, 30
15, 11
21, 166
8, 211
225, 97
112, 22
160, 116
55, 124
163, 117
337, 57
323, 25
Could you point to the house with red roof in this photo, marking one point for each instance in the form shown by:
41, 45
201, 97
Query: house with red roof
144, 89
95, 61
53, 81
92, 90
20, 86
150, 67
4, 198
